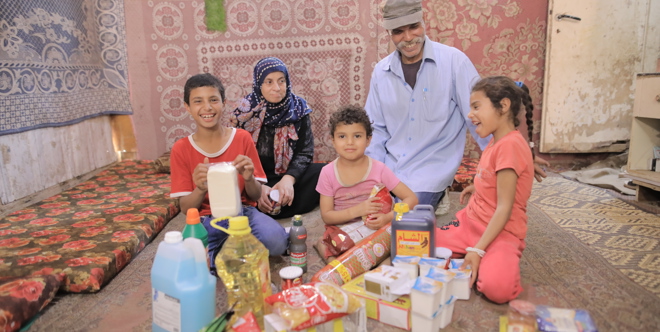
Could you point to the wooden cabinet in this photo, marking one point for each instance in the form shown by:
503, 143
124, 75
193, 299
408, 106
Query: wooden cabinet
644, 135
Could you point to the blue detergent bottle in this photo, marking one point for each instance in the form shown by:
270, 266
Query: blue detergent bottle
182, 288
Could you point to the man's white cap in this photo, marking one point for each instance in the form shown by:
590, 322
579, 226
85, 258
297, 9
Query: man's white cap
398, 13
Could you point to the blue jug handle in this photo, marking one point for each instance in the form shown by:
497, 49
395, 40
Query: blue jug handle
424, 207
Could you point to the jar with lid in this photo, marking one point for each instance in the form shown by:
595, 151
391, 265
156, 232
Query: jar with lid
521, 316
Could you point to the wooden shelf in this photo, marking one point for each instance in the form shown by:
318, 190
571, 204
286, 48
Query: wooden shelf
644, 135
648, 177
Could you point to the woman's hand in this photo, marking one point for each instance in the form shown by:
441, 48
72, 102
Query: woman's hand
285, 187
200, 173
466, 193
264, 204
473, 260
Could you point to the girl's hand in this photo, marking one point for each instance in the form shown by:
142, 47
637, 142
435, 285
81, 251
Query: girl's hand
466, 193
264, 204
539, 169
473, 260
369, 206
244, 167
377, 220
199, 175
285, 186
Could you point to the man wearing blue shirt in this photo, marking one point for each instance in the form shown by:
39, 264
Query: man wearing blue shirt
419, 99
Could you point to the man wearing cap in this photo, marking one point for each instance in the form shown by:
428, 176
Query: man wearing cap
419, 99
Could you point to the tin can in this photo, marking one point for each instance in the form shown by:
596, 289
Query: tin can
274, 198
291, 277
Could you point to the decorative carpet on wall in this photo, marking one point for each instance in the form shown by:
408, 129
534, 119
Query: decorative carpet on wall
61, 62
557, 270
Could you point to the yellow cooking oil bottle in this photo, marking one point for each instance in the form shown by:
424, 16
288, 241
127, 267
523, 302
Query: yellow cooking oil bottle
242, 263
413, 232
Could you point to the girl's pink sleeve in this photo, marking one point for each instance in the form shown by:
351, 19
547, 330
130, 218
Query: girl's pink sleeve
388, 178
324, 186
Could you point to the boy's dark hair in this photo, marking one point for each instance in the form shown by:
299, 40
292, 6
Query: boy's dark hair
350, 114
200, 80
497, 88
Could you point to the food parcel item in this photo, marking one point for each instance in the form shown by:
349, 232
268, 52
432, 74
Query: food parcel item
243, 265
291, 277
224, 198
312, 304
380, 191
413, 233
396, 313
551, 319
387, 282
364, 256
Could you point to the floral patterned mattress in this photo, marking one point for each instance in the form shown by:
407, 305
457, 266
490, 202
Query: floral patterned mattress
465, 174
90, 232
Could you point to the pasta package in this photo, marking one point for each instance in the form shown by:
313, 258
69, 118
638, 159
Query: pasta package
383, 197
312, 304
364, 256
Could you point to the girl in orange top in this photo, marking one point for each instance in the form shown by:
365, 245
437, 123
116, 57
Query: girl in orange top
491, 230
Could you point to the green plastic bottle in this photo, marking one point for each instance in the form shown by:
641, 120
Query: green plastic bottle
194, 227
242, 263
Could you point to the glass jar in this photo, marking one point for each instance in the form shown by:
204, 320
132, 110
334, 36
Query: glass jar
521, 316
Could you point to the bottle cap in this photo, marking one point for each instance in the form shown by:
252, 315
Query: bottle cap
291, 272
173, 237
297, 220
192, 216
275, 195
239, 226
401, 207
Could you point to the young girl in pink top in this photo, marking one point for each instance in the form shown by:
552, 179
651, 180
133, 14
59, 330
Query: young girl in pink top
346, 183
491, 230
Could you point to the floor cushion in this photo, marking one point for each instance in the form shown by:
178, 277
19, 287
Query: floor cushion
90, 232
23, 297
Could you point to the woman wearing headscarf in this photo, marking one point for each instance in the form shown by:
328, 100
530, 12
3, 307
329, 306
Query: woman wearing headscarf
282, 131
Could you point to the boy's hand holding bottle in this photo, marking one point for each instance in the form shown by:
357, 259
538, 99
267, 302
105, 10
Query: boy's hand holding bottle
200, 173
245, 167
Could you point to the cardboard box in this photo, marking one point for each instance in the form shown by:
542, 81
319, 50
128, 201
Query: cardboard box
356, 321
396, 313
383, 282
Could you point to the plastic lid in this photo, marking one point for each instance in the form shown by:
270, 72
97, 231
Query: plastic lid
275, 195
401, 207
291, 272
192, 216
239, 225
297, 220
441, 252
173, 237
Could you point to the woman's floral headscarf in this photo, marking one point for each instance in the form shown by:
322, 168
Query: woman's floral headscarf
254, 111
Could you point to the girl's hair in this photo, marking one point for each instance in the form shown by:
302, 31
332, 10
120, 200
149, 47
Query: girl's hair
350, 114
497, 88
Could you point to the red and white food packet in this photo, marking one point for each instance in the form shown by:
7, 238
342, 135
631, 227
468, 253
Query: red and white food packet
384, 198
247, 323
312, 304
